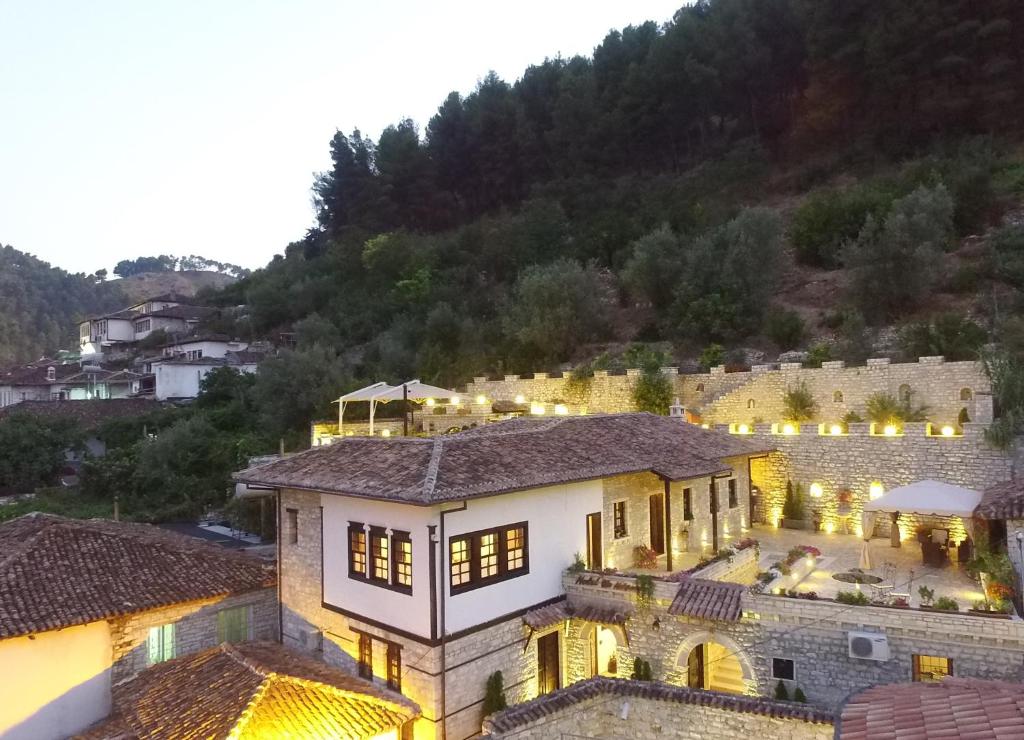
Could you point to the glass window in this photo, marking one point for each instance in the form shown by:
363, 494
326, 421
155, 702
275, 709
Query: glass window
488, 554
161, 643
233, 624
394, 666
619, 518
356, 550
401, 547
784, 668
515, 540
932, 667
379, 548
460, 565
365, 656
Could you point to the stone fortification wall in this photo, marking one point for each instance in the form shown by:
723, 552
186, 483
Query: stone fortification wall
853, 461
721, 397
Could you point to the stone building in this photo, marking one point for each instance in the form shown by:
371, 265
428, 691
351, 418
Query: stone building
430, 564
86, 605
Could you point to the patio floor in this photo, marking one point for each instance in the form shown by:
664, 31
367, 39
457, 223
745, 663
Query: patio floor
841, 553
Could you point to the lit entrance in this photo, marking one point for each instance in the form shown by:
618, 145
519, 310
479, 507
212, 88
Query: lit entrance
713, 666
603, 658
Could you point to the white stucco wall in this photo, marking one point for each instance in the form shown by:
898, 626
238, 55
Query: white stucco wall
409, 612
556, 518
56, 683
182, 380
120, 330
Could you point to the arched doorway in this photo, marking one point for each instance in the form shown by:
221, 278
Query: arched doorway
603, 643
715, 662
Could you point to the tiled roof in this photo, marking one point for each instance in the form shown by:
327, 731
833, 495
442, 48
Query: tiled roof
184, 312
704, 599
1002, 501
35, 373
546, 616
963, 708
251, 690
563, 699
57, 572
88, 414
508, 456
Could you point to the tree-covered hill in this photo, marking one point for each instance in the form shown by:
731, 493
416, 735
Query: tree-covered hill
782, 174
39, 305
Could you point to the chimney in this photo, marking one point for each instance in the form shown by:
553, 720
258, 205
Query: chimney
677, 410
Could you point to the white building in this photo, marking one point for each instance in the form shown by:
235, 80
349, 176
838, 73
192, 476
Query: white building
173, 314
53, 381
181, 378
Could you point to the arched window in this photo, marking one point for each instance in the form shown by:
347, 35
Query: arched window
837, 397
751, 403
700, 387
904, 393
966, 394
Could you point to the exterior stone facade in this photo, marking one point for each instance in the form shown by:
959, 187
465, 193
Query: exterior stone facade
195, 628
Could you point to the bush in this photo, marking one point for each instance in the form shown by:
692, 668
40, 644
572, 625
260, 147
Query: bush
1005, 372
641, 670
954, 336
785, 328
885, 408
852, 598
655, 267
945, 603
652, 392
819, 353
494, 695
799, 696
711, 356
799, 404
827, 219
793, 506
781, 693
1007, 249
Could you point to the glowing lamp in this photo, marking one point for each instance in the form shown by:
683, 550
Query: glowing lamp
561, 409
875, 490
889, 430
835, 430
743, 429
481, 399
816, 490
829, 528
948, 431
788, 429
705, 426
537, 409
385, 432
520, 398
455, 400
430, 402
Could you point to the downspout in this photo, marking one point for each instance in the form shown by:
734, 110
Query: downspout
444, 631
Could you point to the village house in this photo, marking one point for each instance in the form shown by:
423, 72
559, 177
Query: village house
51, 380
173, 314
181, 378
86, 605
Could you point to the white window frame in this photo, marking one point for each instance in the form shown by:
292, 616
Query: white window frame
161, 643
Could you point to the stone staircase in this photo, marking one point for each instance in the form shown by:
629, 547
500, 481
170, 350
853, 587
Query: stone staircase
731, 404
727, 676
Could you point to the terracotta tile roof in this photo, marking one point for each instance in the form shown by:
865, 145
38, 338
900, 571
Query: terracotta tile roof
546, 616
955, 707
57, 572
508, 456
704, 599
88, 414
564, 699
251, 690
35, 373
1002, 501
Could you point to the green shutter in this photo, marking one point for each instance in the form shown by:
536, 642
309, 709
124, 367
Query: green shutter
233, 624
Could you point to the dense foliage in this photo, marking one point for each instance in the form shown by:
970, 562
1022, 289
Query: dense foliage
33, 451
168, 263
39, 305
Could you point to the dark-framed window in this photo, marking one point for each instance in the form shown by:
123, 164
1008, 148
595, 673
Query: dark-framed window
379, 550
356, 550
488, 556
784, 668
932, 667
733, 498
365, 656
401, 561
688, 504
619, 519
394, 666
293, 526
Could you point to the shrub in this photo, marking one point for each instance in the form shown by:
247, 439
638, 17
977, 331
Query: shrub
641, 670
578, 564
945, 603
781, 693
927, 595
885, 408
793, 506
827, 219
494, 696
711, 356
652, 392
785, 328
799, 695
819, 353
644, 591
852, 598
644, 557
799, 404
952, 335
1007, 249
654, 267
1006, 374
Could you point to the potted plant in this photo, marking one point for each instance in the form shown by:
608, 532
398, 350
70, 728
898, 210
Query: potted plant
793, 507
644, 557
946, 604
927, 596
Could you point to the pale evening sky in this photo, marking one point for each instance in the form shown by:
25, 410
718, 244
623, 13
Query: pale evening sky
139, 128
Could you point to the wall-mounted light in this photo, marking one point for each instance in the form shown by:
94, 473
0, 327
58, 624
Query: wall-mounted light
520, 399
875, 490
455, 400
836, 430
431, 402
481, 399
890, 430
788, 429
537, 409
743, 429
385, 432
561, 409
948, 431
816, 490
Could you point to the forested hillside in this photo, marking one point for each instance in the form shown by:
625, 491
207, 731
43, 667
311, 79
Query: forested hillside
40, 303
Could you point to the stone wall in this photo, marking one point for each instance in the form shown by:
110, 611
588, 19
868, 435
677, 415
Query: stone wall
721, 397
668, 714
195, 628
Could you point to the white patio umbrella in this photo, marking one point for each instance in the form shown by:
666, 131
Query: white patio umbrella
411, 390
928, 498
363, 394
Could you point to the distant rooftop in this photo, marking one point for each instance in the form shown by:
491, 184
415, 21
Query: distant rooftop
89, 414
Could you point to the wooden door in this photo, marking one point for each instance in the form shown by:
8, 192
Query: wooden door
658, 523
695, 668
594, 542
548, 669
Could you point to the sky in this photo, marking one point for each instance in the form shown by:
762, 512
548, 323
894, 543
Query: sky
195, 127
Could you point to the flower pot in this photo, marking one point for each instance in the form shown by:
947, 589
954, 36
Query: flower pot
990, 615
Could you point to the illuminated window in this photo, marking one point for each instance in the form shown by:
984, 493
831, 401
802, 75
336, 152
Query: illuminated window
401, 548
160, 643
929, 668
378, 554
619, 519
688, 504
356, 550
394, 666
479, 558
233, 625
365, 656
488, 555
460, 564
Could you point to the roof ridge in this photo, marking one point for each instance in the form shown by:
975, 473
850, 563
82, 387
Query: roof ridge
25, 546
430, 479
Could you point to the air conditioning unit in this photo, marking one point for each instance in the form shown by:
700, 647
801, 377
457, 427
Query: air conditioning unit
868, 645
311, 638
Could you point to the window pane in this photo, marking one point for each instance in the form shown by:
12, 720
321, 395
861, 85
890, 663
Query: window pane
403, 562
380, 557
488, 555
515, 546
357, 551
460, 562
160, 643
932, 667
